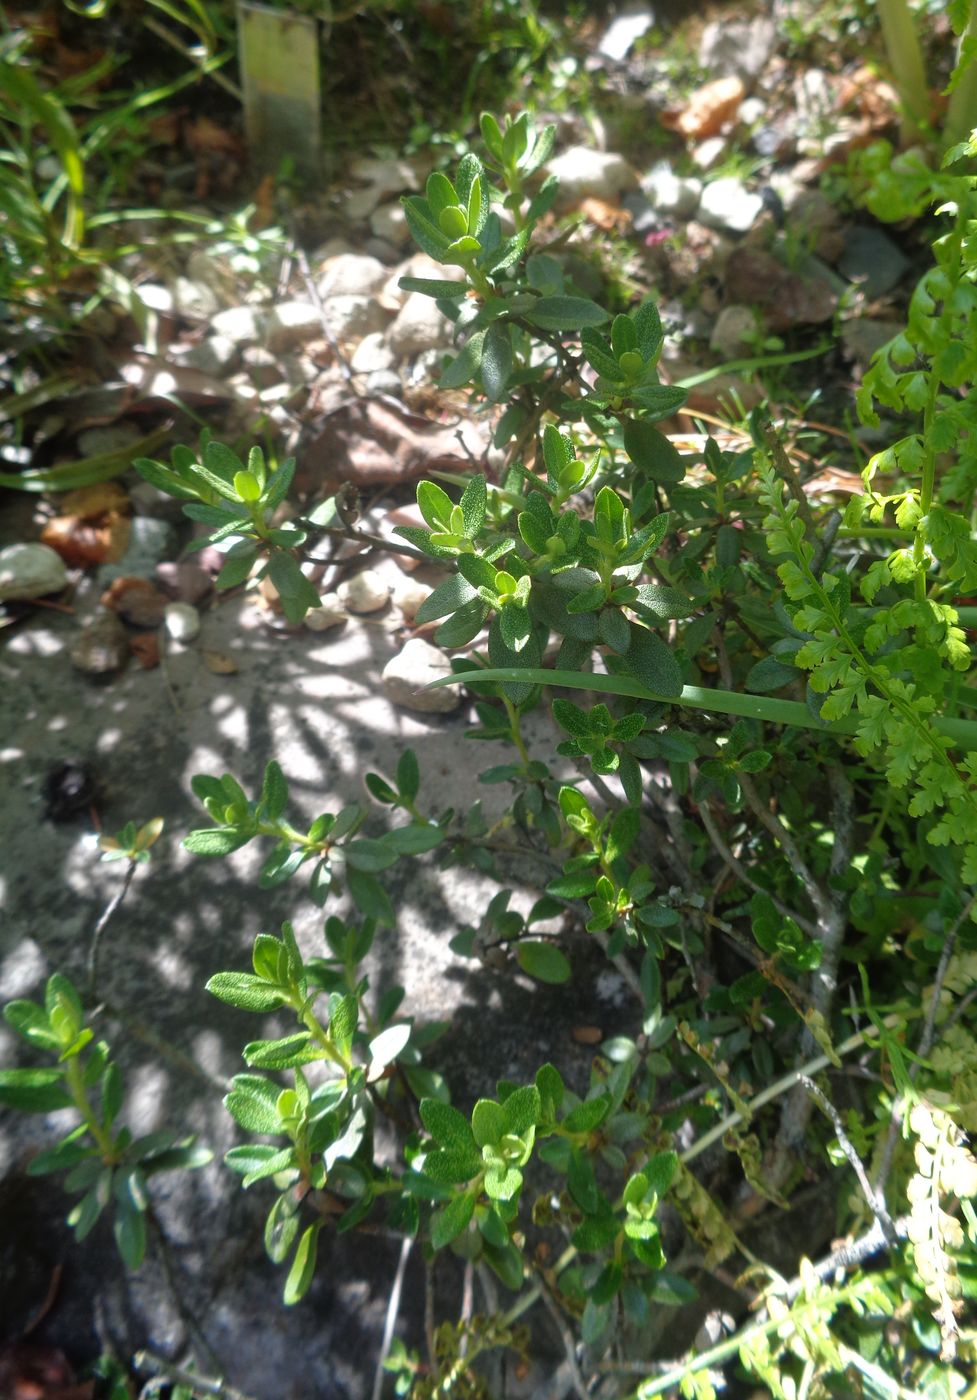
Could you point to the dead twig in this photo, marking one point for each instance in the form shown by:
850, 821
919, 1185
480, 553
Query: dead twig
577, 1383
876, 1201
103, 922
742, 874
165, 1373
312, 292
390, 1322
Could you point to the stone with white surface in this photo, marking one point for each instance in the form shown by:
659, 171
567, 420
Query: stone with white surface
710, 152
419, 326
182, 622
353, 317
216, 355
673, 196
584, 173
373, 353
365, 592
406, 675
624, 31
408, 595
740, 47
351, 275
330, 613
386, 176
242, 325
727, 204
292, 323
383, 381
390, 223
194, 300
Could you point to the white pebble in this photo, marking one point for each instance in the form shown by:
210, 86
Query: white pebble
329, 613
363, 593
408, 595
411, 670
182, 622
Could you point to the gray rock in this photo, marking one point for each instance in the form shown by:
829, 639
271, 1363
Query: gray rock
643, 214
382, 250
390, 222
384, 381
261, 366
685, 323
212, 271
353, 317
102, 647
814, 100
405, 676
673, 196
734, 330
862, 338
775, 140
583, 172
351, 275
332, 248
243, 325
419, 325
372, 353
216, 355
298, 370
292, 323
150, 542
386, 176
816, 219
871, 259
727, 204
360, 204
195, 300
737, 47
30, 571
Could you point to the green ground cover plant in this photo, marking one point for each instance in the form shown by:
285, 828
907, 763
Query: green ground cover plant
760, 805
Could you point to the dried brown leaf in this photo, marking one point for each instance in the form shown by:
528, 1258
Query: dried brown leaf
708, 109
220, 663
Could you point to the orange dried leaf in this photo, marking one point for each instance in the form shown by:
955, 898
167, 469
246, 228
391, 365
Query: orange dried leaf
219, 662
85, 540
587, 1035
710, 108
609, 217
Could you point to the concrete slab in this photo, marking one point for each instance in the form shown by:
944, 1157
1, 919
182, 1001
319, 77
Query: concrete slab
315, 703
